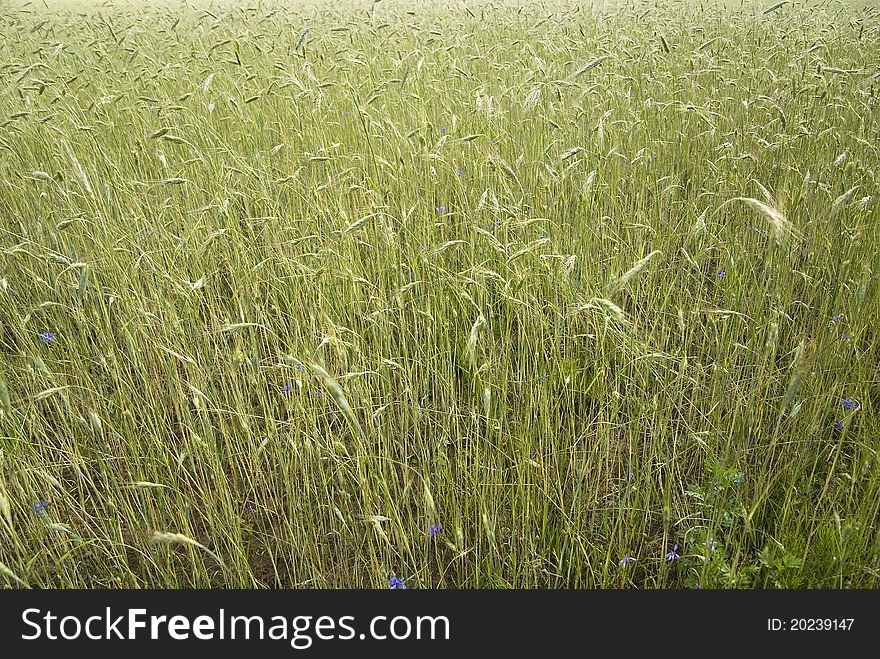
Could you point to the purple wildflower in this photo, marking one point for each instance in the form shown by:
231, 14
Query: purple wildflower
397, 583
850, 403
434, 529
40, 506
626, 560
837, 318
671, 556
48, 337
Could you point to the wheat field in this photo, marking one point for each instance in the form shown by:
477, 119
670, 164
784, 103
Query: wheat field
487, 294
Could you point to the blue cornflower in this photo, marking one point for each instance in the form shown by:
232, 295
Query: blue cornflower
671, 556
721, 274
441, 209
423, 248
712, 545
397, 582
838, 425
300, 367
541, 237
626, 560
48, 337
287, 388
460, 171
40, 507
837, 318
434, 529
442, 129
850, 403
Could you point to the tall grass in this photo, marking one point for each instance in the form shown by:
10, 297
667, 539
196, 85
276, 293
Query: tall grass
281, 288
